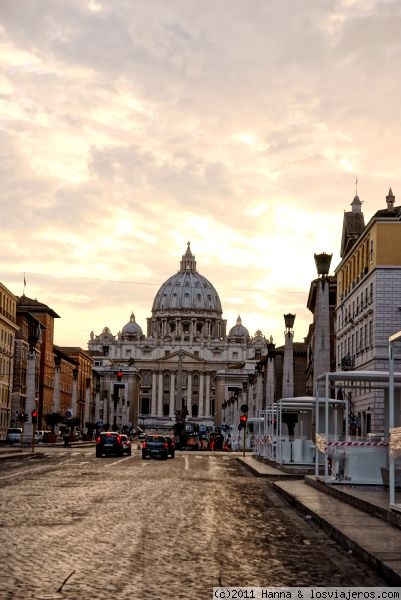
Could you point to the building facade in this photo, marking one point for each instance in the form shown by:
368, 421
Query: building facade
8, 330
368, 308
183, 366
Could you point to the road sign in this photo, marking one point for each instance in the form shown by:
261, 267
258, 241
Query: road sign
68, 414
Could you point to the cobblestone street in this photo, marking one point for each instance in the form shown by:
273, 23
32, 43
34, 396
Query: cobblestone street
74, 526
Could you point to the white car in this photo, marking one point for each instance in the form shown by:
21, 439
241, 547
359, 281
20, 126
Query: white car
41, 434
126, 444
13, 435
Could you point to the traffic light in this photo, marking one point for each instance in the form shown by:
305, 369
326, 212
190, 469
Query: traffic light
34, 417
242, 421
25, 417
119, 375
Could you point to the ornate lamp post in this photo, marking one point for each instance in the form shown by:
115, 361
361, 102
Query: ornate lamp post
323, 262
34, 337
288, 361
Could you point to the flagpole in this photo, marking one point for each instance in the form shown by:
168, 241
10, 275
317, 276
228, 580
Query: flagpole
23, 291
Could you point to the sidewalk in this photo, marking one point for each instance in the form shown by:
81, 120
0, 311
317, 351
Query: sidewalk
15, 451
357, 517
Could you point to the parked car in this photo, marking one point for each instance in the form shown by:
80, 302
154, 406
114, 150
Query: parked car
109, 442
126, 444
171, 445
155, 445
42, 435
13, 435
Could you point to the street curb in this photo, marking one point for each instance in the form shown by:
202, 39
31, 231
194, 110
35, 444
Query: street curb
359, 551
278, 476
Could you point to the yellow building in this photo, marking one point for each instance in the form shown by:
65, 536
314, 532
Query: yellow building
8, 329
368, 307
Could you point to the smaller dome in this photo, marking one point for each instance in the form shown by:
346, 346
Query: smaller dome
132, 328
239, 330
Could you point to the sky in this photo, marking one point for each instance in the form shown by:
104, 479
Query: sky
130, 127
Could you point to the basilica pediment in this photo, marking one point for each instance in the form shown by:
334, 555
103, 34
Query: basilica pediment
186, 357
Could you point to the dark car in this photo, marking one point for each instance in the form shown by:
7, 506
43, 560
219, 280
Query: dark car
155, 445
171, 445
109, 442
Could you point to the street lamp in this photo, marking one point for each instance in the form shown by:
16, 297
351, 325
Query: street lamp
323, 262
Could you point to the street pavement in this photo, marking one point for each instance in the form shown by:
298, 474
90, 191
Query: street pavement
74, 526
355, 516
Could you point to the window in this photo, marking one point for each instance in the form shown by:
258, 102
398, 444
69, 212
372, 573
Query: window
145, 406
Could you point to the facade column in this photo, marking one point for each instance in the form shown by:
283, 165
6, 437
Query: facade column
74, 395
87, 402
259, 393
98, 405
160, 396
153, 408
270, 382
207, 409
56, 388
172, 395
106, 407
201, 409
189, 394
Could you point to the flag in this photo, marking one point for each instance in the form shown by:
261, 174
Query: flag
24, 280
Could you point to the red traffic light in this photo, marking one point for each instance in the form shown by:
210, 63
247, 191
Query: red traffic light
119, 375
35, 413
243, 418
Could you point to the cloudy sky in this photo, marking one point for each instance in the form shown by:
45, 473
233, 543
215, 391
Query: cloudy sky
129, 127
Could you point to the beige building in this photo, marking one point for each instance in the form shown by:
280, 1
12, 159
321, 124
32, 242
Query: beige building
184, 364
368, 308
8, 330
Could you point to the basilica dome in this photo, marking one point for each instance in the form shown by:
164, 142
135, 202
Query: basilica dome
187, 290
132, 328
239, 331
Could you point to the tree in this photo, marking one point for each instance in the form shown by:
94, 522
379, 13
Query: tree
51, 420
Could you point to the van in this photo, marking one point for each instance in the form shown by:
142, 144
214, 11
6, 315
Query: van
13, 435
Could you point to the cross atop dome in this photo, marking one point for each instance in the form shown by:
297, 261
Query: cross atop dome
188, 262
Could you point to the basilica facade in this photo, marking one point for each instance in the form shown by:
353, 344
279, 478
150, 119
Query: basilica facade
186, 365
